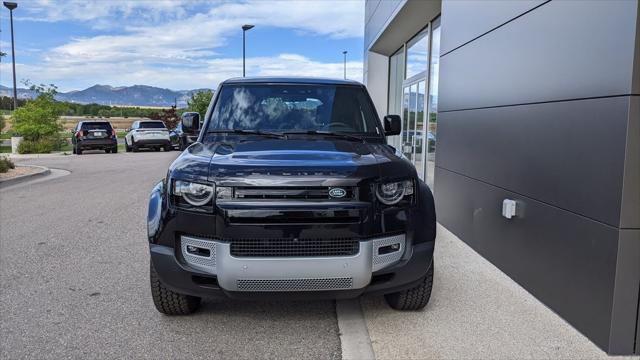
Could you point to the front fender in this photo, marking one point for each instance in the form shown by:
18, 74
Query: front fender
425, 229
156, 208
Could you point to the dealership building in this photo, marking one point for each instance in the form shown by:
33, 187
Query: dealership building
524, 118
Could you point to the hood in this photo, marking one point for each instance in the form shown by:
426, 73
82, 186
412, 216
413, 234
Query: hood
301, 162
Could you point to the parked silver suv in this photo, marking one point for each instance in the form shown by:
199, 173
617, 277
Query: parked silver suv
152, 134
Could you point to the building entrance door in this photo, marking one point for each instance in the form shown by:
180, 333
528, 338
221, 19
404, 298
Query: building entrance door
413, 124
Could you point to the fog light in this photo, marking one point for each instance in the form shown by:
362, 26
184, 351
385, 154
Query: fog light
388, 249
194, 250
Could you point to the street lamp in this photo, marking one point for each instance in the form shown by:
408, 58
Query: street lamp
244, 30
11, 6
345, 64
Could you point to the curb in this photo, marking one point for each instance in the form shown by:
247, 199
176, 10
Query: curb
42, 171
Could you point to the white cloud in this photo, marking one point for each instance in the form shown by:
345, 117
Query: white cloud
181, 51
206, 74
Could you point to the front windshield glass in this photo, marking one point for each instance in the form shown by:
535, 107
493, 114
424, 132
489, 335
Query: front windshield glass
294, 108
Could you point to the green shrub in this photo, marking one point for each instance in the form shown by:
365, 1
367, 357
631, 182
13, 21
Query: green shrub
42, 146
38, 118
6, 164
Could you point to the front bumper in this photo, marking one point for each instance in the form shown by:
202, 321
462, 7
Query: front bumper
223, 275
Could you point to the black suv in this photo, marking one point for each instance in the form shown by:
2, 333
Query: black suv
94, 135
291, 191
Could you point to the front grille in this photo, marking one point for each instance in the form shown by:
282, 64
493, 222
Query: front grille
293, 247
294, 193
295, 284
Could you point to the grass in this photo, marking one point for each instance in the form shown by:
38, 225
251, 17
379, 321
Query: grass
5, 149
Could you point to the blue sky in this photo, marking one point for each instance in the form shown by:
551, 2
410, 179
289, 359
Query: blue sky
179, 44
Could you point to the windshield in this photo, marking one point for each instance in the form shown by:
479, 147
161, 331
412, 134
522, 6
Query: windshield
294, 108
152, 125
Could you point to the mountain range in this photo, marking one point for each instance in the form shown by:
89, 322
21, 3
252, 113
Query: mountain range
136, 95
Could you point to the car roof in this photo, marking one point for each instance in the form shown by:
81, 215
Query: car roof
289, 80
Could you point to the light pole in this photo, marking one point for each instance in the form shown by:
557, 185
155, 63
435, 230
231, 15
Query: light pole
244, 30
345, 64
11, 6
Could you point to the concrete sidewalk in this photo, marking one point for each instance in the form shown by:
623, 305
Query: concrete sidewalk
477, 312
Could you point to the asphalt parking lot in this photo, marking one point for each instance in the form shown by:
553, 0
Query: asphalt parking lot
74, 284
74, 277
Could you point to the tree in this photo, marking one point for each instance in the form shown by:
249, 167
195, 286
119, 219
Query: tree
38, 119
199, 102
168, 116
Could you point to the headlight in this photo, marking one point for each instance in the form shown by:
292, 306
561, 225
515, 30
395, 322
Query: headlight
391, 193
195, 194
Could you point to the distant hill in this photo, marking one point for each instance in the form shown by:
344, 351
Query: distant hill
136, 95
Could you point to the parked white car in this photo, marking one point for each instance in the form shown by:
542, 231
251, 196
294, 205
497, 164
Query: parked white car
151, 134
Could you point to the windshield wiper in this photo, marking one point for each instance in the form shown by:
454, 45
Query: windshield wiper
248, 132
325, 133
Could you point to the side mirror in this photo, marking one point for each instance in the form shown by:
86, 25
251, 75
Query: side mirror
191, 122
392, 125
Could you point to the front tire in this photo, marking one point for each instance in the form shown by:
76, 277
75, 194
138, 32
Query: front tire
414, 298
169, 302
114, 149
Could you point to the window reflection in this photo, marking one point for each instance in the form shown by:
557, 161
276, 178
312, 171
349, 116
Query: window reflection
418, 142
396, 76
433, 102
417, 51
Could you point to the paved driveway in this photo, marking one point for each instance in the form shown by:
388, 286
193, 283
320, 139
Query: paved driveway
74, 284
74, 277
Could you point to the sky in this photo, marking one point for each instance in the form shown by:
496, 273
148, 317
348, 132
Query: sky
178, 44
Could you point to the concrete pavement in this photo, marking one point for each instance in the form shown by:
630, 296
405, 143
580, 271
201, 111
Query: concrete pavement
475, 312
74, 284
74, 277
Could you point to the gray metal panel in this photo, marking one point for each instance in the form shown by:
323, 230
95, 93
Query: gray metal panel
630, 213
568, 154
624, 314
407, 19
479, 17
561, 50
565, 260
636, 64
370, 7
379, 17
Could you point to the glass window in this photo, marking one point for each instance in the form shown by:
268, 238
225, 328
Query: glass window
396, 76
433, 102
294, 108
152, 125
419, 131
96, 125
417, 51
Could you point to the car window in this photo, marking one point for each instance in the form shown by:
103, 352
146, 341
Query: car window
152, 125
294, 108
96, 126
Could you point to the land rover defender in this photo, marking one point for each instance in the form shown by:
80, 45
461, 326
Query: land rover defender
290, 191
